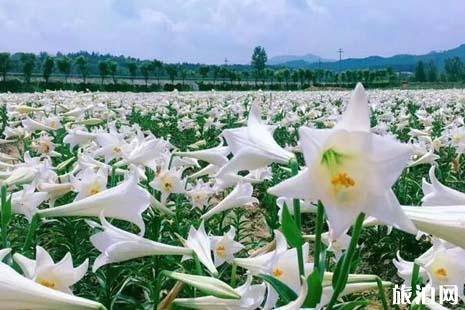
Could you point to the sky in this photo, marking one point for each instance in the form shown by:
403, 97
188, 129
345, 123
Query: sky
208, 31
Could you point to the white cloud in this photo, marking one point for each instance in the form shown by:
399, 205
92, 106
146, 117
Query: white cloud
210, 30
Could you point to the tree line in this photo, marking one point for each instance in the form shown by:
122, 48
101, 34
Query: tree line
454, 71
118, 70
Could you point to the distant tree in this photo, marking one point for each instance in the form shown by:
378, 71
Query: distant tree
104, 70
203, 71
432, 72
287, 76
232, 75
145, 69
83, 67
112, 70
216, 73
223, 74
172, 71
309, 76
420, 74
279, 76
246, 76
157, 67
4, 64
47, 68
64, 66
183, 73
454, 69
269, 75
259, 59
295, 76
132, 67
28, 61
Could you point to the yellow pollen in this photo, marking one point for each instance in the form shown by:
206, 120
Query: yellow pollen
168, 186
116, 150
441, 273
46, 283
342, 179
53, 124
95, 189
45, 148
278, 272
221, 251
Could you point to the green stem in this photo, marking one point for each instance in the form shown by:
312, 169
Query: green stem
156, 293
31, 233
414, 281
382, 295
198, 267
4, 216
297, 217
342, 278
233, 274
318, 231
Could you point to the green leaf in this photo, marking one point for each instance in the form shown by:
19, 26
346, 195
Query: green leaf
6, 211
337, 270
322, 266
315, 289
359, 304
285, 292
290, 229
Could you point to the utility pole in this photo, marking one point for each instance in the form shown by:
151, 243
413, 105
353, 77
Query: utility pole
340, 51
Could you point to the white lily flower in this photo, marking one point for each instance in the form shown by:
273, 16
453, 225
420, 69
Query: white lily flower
253, 146
427, 158
224, 247
89, 182
144, 153
251, 298
117, 245
208, 285
445, 222
168, 182
438, 194
200, 195
264, 263
18, 292
199, 242
126, 202
216, 155
31, 125
241, 195
112, 145
59, 276
27, 201
350, 170
350, 288
21, 175
54, 190
447, 267
78, 136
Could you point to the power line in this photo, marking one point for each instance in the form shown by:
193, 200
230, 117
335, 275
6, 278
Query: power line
340, 51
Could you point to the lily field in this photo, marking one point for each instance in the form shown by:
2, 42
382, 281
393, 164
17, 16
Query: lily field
233, 200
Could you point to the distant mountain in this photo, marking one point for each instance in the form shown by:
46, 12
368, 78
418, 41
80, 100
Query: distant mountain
285, 59
402, 62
